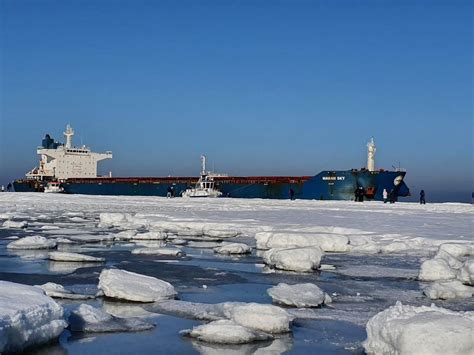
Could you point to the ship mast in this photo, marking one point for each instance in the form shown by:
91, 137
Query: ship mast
203, 165
68, 134
371, 155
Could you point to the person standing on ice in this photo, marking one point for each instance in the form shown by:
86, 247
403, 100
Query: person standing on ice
385, 195
422, 197
3, 188
292, 194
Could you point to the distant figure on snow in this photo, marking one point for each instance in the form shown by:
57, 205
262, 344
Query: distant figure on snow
422, 197
3, 188
292, 194
169, 192
391, 196
9, 186
385, 196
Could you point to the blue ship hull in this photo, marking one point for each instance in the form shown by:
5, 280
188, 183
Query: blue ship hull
327, 185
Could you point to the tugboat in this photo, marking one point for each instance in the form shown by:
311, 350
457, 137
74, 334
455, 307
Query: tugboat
53, 187
205, 187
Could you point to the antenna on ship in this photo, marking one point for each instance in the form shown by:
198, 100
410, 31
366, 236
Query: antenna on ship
371, 155
68, 134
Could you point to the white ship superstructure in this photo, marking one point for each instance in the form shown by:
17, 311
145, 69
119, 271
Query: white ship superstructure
61, 162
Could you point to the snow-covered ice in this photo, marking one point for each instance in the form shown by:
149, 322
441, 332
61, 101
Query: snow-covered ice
294, 259
299, 295
131, 286
404, 329
32, 242
447, 290
15, 224
326, 242
466, 274
436, 269
87, 318
225, 332
263, 317
233, 248
73, 257
27, 317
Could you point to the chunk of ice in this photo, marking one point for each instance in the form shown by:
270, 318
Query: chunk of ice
294, 259
299, 295
73, 257
403, 329
233, 248
58, 291
448, 290
130, 286
32, 242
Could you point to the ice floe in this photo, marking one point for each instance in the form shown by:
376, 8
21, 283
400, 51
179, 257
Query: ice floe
299, 295
58, 291
15, 224
87, 318
27, 317
233, 248
436, 269
404, 329
150, 236
263, 317
448, 290
73, 257
130, 286
466, 274
225, 332
159, 251
326, 242
32, 242
294, 259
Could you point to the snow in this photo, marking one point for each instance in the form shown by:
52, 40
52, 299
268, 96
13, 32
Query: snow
457, 250
27, 317
90, 319
448, 290
58, 291
262, 317
233, 248
131, 286
326, 242
32, 242
159, 251
294, 259
225, 332
299, 295
15, 224
404, 329
74, 257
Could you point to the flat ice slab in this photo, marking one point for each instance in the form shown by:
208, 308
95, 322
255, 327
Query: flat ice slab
225, 332
32, 242
326, 242
130, 286
448, 290
299, 295
90, 319
159, 251
58, 291
403, 329
73, 257
27, 317
15, 224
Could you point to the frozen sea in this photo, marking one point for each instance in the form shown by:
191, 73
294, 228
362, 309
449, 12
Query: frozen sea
360, 284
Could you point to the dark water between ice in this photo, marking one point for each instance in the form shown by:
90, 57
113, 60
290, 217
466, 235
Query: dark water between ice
361, 286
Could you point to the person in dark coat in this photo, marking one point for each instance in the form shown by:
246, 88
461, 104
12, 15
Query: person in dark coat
422, 197
292, 194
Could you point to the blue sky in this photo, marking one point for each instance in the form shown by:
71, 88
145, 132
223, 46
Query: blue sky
261, 87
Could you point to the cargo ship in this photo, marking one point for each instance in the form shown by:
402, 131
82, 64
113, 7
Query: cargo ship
75, 168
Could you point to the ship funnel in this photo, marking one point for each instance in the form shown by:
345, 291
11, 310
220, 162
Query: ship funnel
371, 155
68, 134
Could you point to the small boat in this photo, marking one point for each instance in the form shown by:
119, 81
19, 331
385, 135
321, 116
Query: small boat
205, 187
53, 187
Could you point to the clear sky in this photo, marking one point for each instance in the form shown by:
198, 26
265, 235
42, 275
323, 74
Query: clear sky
262, 87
